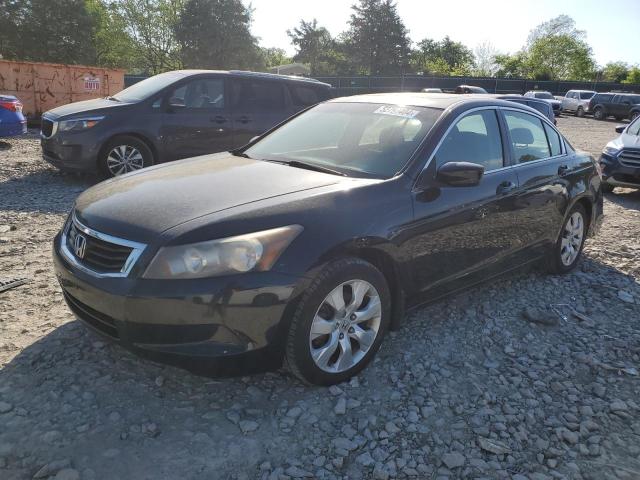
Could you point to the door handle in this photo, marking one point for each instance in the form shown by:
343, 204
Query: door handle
505, 187
219, 119
244, 119
563, 169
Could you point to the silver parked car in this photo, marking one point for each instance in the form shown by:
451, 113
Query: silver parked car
577, 101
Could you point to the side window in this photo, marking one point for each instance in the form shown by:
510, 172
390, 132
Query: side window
258, 96
200, 94
554, 140
304, 96
527, 136
475, 138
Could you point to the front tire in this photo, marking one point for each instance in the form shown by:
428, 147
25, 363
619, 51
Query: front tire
567, 251
124, 154
339, 324
598, 113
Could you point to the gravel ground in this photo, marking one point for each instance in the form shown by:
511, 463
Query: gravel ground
490, 384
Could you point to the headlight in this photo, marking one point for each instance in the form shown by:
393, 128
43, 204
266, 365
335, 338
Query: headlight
244, 253
78, 124
611, 151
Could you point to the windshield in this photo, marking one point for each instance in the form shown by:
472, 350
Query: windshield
545, 95
357, 139
586, 95
147, 87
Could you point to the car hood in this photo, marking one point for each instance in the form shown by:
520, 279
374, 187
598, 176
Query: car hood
141, 205
86, 106
626, 141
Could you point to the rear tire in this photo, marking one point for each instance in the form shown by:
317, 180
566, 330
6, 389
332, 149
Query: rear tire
566, 253
124, 154
598, 113
634, 115
580, 112
331, 338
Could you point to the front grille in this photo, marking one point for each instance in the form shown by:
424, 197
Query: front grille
630, 157
101, 322
46, 128
99, 255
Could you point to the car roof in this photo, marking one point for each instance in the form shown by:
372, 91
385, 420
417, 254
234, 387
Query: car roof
420, 99
249, 74
581, 91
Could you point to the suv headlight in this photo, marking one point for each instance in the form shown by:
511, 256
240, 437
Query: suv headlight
611, 151
244, 253
77, 124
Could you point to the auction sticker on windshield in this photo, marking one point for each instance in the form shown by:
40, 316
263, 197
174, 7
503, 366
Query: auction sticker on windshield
397, 111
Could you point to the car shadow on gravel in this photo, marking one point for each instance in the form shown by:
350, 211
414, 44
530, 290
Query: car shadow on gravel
625, 197
43, 191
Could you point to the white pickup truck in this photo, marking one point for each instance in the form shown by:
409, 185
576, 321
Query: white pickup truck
577, 101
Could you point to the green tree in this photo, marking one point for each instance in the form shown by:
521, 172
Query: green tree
615, 72
151, 24
560, 57
112, 43
57, 31
485, 60
633, 77
445, 57
273, 57
560, 25
216, 34
314, 45
515, 65
377, 41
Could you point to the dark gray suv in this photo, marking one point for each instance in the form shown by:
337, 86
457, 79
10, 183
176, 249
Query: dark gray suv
170, 116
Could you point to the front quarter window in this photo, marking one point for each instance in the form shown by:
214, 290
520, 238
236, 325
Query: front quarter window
357, 139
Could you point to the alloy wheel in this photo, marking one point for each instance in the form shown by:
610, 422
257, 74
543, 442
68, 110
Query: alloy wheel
572, 239
124, 159
345, 326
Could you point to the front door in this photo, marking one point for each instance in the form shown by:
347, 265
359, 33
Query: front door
458, 230
258, 105
197, 119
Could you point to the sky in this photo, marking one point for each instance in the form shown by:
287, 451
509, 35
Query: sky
612, 27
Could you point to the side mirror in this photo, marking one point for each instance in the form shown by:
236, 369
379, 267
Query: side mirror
460, 174
176, 103
620, 128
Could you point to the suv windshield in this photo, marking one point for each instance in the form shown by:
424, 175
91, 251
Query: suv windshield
545, 95
147, 87
357, 139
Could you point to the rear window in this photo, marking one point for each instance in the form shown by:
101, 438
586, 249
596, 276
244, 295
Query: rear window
304, 96
586, 95
258, 95
545, 95
543, 108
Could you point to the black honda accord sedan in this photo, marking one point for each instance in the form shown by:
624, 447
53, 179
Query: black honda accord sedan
307, 245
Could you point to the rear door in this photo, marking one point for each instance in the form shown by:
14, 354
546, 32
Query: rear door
258, 105
196, 118
540, 165
570, 101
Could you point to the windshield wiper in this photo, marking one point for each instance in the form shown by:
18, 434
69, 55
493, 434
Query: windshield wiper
310, 166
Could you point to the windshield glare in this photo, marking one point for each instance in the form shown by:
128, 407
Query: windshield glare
147, 87
358, 139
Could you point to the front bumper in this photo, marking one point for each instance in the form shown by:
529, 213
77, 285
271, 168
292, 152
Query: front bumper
76, 151
617, 174
220, 326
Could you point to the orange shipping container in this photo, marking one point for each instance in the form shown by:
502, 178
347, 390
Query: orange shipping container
43, 86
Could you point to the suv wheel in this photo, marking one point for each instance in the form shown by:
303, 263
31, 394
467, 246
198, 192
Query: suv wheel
607, 188
339, 324
580, 112
124, 154
598, 113
634, 115
567, 250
